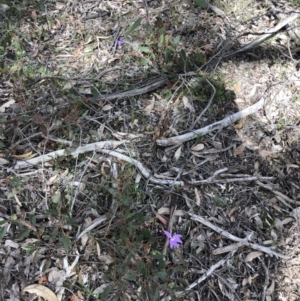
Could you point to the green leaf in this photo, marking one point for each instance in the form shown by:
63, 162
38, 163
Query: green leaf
201, 3
23, 233
106, 292
182, 55
15, 182
56, 197
144, 49
66, 242
140, 266
94, 133
146, 233
3, 231
161, 40
176, 41
130, 275
95, 92
71, 220
161, 275
135, 25
157, 256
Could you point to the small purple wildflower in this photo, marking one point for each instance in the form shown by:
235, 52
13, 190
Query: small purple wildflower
120, 42
175, 240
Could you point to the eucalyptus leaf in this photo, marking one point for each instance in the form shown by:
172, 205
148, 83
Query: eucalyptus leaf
201, 3
3, 231
135, 25
66, 242
130, 275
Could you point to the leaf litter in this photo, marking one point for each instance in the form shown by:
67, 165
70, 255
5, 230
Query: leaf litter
88, 73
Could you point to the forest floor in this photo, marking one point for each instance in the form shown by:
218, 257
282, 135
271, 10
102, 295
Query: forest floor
120, 120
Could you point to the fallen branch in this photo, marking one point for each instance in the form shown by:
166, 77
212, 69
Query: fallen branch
265, 36
232, 180
64, 152
144, 171
213, 127
242, 241
106, 146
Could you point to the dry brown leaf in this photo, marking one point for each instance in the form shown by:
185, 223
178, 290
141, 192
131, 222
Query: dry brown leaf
187, 104
253, 255
41, 291
177, 154
59, 5
6, 105
24, 156
217, 144
271, 288
73, 298
69, 85
78, 51
197, 196
107, 107
52, 180
198, 147
239, 151
43, 280
165, 210
239, 124
107, 259
176, 102
287, 220
3, 161
150, 107
162, 219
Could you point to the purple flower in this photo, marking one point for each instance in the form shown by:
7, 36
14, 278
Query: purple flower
120, 42
174, 240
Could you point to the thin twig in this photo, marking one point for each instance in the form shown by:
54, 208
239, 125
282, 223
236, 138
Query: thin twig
265, 36
95, 223
243, 241
208, 105
278, 193
148, 87
246, 178
212, 127
173, 207
207, 274
267, 277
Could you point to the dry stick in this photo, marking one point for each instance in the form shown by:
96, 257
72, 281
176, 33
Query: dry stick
95, 223
232, 180
206, 275
278, 194
212, 127
104, 147
170, 226
244, 241
146, 173
208, 105
64, 152
228, 248
265, 287
154, 84
265, 36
